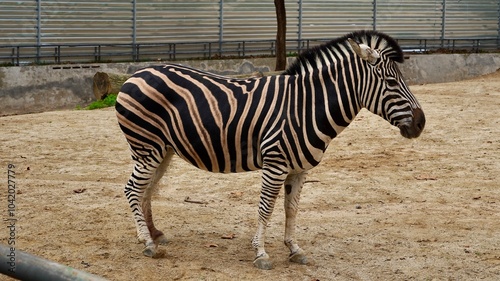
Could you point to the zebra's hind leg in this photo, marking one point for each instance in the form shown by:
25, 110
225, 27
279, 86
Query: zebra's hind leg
157, 236
293, 187
135, 190
138, 191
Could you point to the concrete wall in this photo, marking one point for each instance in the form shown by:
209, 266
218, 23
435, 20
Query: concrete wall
440, 68
29, 89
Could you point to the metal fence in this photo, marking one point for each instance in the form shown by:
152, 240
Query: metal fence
58, 31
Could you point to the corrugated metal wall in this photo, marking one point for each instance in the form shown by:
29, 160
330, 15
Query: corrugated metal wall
50, 22
84, 21
177, 21
324, 19
414, 19
18, 22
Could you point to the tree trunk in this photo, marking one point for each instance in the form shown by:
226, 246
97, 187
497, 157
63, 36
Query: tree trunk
280, 35
107, 83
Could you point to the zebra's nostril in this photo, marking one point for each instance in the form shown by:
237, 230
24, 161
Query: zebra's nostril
419, 118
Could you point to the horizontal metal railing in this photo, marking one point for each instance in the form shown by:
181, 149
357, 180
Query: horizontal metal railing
45, 31
92, 53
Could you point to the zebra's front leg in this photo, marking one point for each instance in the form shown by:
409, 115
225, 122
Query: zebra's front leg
293, 187
272, 181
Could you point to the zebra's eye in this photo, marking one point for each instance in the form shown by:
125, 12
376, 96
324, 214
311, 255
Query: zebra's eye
392, 82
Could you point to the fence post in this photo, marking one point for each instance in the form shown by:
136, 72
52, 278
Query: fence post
498, 26
221, 25
38, 29
299, 27
374, 14
58, 54
17, 55
443, 24
134, 31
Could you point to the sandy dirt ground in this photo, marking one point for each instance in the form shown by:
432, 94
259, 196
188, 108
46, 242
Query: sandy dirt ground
379, 207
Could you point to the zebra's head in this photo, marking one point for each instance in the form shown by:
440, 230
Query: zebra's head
369, 60
385, 92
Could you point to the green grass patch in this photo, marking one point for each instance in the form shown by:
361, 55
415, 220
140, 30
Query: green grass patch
109, 100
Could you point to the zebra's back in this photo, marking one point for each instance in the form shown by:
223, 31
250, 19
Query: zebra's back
214, 122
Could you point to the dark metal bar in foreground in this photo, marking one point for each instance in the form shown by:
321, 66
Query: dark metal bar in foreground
24, 266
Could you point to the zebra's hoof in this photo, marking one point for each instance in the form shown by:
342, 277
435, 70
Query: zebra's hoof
263, 263
149, 251
161, 240
298, 257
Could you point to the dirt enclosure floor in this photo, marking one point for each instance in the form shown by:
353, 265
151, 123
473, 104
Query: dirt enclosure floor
379, 207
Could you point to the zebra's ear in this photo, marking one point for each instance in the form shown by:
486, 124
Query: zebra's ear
364, 51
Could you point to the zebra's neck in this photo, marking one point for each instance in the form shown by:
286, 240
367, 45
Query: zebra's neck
319, 105
316, 107
327, 99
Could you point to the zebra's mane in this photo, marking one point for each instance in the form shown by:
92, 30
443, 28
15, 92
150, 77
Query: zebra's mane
376, 40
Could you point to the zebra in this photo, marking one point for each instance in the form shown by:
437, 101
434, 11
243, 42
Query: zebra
279, 124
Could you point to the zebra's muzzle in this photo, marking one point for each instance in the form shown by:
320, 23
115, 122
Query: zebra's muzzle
415, 128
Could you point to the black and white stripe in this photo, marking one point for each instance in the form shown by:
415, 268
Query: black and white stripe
281, 124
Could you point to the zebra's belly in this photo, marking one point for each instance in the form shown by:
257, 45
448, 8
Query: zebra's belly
220, 157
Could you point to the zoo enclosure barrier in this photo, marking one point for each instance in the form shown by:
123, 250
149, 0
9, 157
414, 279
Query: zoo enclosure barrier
56, 31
